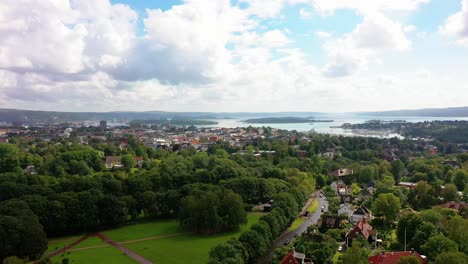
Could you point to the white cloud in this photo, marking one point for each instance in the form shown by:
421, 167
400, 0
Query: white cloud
306, 14
376, 34
367, 6
456, 25
264, 8
323, 34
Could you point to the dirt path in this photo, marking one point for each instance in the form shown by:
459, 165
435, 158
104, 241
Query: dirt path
155, 237
118, 245
69, 246
125, 250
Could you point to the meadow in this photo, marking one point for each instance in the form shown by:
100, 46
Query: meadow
159, 241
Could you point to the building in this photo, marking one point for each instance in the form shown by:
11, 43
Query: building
346, 209
362, 228
103, 125
342, 172
394, 257
294, 257
409, 185
113, 162
361, 213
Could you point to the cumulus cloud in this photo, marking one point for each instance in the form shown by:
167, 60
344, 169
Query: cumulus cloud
367, 6
350, 53
456, 25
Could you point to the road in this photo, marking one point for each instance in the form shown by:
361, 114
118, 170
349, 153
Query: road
279, 242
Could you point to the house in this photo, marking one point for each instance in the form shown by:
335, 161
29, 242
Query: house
342, 172
113, 162
330, 222
329, 153
409, 185
460, 207
361, 213
30, 169
362, 228
364, 194
294, 257
139, 162
452, 163
302, 154
394, 257
406, 211
346, 209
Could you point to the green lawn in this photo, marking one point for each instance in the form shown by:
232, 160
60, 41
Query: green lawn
96, 255
144, 230
313, 206
299, 221
186, 248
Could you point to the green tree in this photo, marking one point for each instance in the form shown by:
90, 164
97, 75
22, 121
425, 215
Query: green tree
451, 258
254, 243
356, 254
229, 252
409, 260
457, 230
9, 157
13, 260
438, 244
387, 205
128, 162
398, 169
449, 193
460, 179
231, 211
20, 232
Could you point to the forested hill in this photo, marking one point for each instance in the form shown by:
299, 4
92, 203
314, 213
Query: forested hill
11, 115
433, 112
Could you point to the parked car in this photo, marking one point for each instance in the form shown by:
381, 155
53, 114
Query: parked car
340, 248
286, 242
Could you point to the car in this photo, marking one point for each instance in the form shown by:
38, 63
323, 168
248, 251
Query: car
286, 242
296, 235
321, 196
340, 248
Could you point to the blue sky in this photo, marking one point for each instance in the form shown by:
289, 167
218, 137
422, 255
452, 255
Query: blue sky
234, 55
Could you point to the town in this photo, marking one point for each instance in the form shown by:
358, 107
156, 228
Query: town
363, 200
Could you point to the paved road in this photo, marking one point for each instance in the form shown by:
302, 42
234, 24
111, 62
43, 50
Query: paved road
279, 242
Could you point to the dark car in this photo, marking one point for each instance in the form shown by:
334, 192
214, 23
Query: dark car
286, 242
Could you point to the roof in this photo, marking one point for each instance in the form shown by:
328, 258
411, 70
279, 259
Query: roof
289, 259
393, 257
361, 229
454, 205
112, 158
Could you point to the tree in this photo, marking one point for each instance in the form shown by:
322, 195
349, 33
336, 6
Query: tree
13, 260
254, 243
20, 232
9, 157
407, 226
112, 211
451, 258
457, 230
356, 254
460, 179
199, 213
449, 193
438, 244
231, 211
128, 162
398, 169
387, 205
229, 252
409, 260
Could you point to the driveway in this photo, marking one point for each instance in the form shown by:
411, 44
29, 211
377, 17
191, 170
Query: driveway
312, 220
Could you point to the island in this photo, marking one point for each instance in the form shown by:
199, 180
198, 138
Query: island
283, 120
175, 122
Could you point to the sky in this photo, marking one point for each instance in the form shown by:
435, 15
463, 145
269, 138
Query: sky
233, 55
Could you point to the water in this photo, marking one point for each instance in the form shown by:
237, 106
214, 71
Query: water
328, 127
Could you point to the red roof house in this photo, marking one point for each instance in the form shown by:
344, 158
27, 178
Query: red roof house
394, 257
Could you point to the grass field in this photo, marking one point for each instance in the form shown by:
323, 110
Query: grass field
313, 206
299, 221
96, 255
183, 248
